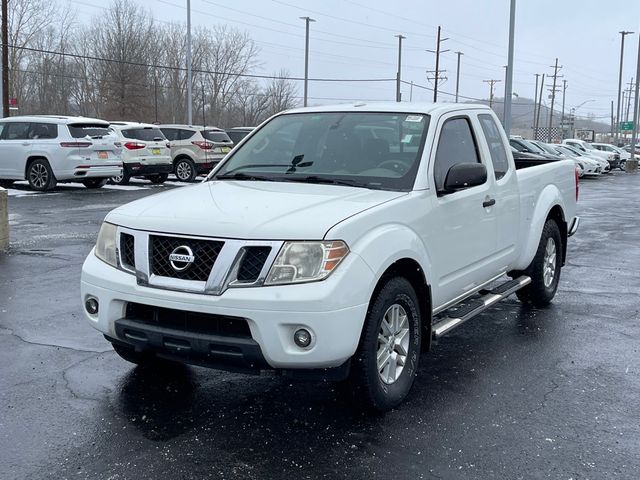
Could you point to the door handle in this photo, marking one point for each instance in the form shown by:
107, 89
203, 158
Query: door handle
489, 202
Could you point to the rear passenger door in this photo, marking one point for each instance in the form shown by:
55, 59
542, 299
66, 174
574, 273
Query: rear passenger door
15, 148
462, 226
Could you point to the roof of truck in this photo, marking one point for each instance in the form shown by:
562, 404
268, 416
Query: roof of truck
426, 108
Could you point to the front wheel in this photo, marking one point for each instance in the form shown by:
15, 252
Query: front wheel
122, 179
95, 182
384, 366
544, 269
185, 170
622, 165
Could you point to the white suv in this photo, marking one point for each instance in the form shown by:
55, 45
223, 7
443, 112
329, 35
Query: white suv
146, 152
196, 150
47, 149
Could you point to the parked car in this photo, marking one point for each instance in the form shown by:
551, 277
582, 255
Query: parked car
238, 133
588, 165
195, 150
605, 166
623, 155
527, 146
586, 147
525, 160
339, 255
146, 152
48, 149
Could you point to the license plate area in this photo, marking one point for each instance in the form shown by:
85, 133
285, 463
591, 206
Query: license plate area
156, 151
102, 155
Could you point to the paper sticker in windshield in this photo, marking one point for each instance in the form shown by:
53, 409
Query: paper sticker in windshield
413, 118
406, 139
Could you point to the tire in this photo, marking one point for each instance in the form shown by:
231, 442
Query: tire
121, 179
143, 359
377, 389
40, 176
95, 182
185, 170
6, 183
158, 178
544, 269
622, 165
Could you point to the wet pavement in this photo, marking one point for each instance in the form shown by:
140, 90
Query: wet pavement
515, 393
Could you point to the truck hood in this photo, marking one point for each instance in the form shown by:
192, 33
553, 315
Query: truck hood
249, 210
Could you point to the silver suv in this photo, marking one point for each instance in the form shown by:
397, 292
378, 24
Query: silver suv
47, 149
195, 150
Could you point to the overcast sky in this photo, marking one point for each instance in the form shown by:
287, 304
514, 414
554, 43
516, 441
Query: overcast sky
355, 39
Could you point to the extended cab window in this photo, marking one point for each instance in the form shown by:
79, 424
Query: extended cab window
456, 145
16, 131
43, 131
496, 145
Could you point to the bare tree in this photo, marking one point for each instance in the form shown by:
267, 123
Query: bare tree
282, 93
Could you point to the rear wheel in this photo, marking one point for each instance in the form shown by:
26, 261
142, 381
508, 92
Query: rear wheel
385, 364
158, 178
185, 170
40, 176
95, 182
544, 269
622, 165
122, 179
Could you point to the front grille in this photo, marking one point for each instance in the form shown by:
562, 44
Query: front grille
127, 251
204, 251
188, 322
252, 263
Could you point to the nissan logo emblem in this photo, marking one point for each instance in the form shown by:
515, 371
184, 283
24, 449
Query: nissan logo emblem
181, 258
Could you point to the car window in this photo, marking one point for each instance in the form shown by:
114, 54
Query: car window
456, 145
16, 131
94, 130
186, 134
40, 131
496, 145
237, 135
216, 136
170, 133
146, 134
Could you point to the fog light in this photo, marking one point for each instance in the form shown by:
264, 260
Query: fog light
302, 338
91, 305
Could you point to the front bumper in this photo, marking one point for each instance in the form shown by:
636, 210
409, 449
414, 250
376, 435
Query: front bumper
333, 311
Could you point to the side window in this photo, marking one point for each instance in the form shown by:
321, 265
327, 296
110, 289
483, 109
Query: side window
170, 133
496, 146
40, 131
456, 145
186, 134
17, 131
2, 125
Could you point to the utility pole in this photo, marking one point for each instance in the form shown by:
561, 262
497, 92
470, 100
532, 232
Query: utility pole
398, 75
155, 94
553, 98
535, 133
491, 84
535, 102
5, 59
632, 163
204, 119
307, 21
459, 54
437, 51
509, 83
562, 121
622, 35
612, 119
411, 92
629, 92
189, 67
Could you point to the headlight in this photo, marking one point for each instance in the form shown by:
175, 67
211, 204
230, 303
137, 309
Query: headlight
299, 262
106, 244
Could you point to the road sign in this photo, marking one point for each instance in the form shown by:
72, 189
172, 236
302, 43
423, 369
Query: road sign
626, 125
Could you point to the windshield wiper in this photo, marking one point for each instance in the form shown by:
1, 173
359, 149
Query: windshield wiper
328, 181
243, 176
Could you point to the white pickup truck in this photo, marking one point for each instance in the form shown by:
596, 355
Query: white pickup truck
333, 241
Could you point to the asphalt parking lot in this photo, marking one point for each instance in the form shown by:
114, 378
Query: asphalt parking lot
515, 393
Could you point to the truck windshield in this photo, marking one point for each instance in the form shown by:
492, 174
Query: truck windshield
360, 149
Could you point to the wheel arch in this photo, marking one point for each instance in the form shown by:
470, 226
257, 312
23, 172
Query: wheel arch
33, 158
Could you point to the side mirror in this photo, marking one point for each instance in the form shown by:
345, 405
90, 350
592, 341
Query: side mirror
464, 175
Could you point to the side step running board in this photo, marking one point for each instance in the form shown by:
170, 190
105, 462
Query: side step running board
456, 316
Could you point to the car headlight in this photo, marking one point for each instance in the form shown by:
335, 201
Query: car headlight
106, 244
299, 262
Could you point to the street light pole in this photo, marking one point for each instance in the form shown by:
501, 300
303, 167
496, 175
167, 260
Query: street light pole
398, 75
4, 98
307, 21
459, 54
189, 72
509, 83
632, 163
623, 33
